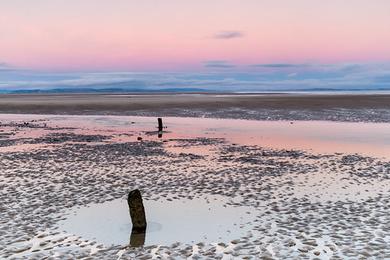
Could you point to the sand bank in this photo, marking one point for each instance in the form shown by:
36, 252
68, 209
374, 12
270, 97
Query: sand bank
343, 107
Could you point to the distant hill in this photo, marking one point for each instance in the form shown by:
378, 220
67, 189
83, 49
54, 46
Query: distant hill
103, 90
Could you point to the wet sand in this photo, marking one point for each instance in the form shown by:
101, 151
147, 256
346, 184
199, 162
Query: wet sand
335, 107
305, 204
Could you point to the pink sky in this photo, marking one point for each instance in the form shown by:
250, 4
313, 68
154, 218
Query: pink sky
181, 34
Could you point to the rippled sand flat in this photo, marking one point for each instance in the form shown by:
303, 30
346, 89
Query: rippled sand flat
303, 200
356, 107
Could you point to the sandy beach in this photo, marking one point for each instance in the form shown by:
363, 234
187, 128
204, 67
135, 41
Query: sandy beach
266, 189
335, 107
197, 130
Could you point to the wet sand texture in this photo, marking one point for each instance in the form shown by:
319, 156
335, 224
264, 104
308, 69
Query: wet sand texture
266, 107
305, 205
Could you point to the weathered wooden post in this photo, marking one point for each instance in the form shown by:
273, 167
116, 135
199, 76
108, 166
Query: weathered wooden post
160, 127
160, 124
137, 212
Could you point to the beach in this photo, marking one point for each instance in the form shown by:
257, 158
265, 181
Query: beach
199, 130
213, 188
298, 106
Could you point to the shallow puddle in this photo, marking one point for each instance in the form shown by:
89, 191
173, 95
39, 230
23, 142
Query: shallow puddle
185, 221
371, 139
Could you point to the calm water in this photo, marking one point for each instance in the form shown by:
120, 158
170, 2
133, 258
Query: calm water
188, 221
371, 139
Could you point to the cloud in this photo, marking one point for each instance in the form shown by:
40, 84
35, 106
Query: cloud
280, 65
224, 78
383, 78
219, 64
5, 67
226, 35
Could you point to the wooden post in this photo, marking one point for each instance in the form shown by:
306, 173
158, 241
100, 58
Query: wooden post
137, 212
160, 124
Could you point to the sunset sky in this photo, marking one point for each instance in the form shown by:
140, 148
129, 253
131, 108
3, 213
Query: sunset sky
221, 37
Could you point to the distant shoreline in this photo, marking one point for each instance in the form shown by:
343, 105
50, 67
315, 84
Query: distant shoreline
193, 91
256, 106
206, 93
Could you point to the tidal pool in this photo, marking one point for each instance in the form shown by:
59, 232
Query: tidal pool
369, 139
184, 220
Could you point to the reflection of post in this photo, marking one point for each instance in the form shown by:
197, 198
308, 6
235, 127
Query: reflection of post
137, 211
137, 239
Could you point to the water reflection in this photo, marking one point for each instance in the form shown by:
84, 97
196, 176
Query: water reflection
372, 139
137, 239
186, 220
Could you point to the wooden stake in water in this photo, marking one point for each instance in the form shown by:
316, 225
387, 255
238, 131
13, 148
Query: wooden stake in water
137, 212
160, 128
160, 124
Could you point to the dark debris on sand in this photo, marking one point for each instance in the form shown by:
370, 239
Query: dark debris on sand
56, 138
